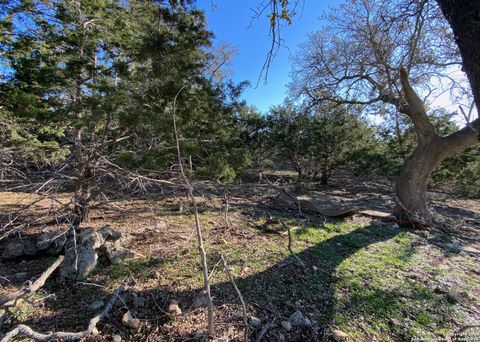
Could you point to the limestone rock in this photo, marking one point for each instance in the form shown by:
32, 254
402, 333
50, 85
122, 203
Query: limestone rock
79, 262
174, 308
18, 247
460, 248
51, 242
117, 254
255, 322
97, 305
13, 249
129, 321
20, 277
139, 302
298, 318
109, 234
286, 325
339, 335
200, 301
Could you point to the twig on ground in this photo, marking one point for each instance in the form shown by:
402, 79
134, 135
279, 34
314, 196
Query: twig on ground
297, 258
66, 336
244, 307
264, 331
10, 300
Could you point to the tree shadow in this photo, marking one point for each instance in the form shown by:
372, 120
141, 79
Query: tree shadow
272, 294
280, 290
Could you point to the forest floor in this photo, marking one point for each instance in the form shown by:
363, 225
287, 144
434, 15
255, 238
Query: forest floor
372, 280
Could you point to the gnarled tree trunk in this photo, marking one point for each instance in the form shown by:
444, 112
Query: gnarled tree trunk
411, 185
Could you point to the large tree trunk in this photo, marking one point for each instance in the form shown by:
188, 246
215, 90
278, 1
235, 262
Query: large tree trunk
411, 184
464, 18
411, 187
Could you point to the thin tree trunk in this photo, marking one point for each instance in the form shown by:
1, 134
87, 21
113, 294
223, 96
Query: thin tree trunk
200, 244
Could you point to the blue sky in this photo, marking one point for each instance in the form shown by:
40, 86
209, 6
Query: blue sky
231, 22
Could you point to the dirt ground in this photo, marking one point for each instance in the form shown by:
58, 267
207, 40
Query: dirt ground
374, 281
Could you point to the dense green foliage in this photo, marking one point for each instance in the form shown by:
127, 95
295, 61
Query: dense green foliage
92, 84
98, 78
319, 141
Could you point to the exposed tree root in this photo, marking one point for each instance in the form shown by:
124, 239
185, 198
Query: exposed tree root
66, 336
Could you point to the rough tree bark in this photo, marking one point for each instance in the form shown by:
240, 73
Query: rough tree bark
411, 185
464, 19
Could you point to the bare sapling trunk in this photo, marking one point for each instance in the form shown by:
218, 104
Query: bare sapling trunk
411, 184
200, 244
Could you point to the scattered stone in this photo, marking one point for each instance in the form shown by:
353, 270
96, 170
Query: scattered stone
20, 277
157, 274
109, 234
79, 262
13, 249
395, 322
286, 325
160, 226
29, 247
339, 335
298, 304
51, 243
117, 254
255, 321
298, 318
97, 305
393, 225
315, 268
117, 338
139, 302
460, 248
129, 321
200, 301
174, 308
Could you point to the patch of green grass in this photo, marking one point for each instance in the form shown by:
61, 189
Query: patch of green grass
372, 285
311, 234
21, 312
137, 267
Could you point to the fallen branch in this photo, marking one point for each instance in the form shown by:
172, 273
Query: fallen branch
291, 201
264, 331
66, 336
244, 307
34, 286
297, 258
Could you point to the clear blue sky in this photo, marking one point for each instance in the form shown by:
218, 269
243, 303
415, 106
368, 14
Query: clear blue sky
230, 21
